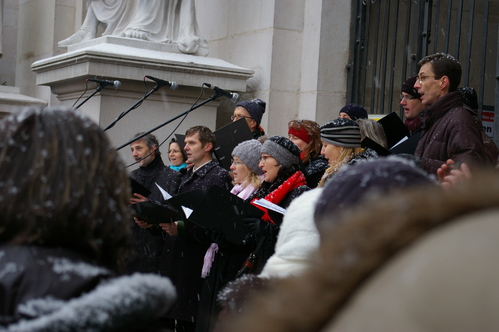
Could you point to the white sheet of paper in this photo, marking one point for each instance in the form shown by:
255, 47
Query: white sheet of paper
187, 211
165, 193
269, 205
401, 141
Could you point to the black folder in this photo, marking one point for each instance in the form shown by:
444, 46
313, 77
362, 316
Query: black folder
380, 150
220, 210
394, 128
188, 199
138, 188
227, 138
409, 146
153, 213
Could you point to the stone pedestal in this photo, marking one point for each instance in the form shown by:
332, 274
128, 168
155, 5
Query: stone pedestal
129, 61
11, 99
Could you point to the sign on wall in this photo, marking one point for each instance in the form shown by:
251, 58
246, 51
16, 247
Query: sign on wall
488, 123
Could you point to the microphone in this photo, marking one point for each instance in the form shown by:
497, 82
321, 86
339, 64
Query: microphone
172, 85
115, 84
221, 92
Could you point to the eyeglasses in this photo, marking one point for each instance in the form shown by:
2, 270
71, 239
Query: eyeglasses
237, 117
407, 97
233, 162
264, 158
422, 78
174, 151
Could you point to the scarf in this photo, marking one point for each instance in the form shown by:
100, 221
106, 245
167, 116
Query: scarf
277, 195
243, 193
179, 167
413, 124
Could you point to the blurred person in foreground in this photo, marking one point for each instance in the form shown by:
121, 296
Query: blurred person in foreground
391, 265
64, 230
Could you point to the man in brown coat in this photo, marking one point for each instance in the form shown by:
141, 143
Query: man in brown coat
449, 130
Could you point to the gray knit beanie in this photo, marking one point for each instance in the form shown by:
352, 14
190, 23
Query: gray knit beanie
249, 153
341, 132
283, 150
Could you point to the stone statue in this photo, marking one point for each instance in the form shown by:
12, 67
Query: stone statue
160, 21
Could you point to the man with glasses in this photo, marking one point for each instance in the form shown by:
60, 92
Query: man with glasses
449, 131
411, 103
252, 111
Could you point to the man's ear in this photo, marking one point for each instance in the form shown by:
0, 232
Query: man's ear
208, 147
154, 150
444, 83
253, 124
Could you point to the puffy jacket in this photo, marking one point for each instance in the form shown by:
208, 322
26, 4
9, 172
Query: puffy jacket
450, 132
53, 289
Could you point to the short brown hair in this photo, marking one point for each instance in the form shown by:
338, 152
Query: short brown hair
205, 135
314, 132
444, 65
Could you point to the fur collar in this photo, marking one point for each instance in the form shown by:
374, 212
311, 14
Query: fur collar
128, 303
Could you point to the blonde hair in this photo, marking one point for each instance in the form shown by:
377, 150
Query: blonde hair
372, 129
252, 179
346, 155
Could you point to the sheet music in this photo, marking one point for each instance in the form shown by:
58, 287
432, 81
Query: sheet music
165, 193
187, 211
269, 205
401, 141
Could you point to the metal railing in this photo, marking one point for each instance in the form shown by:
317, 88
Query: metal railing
389, 38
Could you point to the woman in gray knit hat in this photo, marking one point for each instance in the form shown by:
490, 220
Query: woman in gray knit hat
223, 260
341, 145
283, 181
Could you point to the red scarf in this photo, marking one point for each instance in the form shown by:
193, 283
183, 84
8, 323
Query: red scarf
276, 196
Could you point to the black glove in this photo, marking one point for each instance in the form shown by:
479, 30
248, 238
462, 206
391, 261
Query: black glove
258, 226
254, 225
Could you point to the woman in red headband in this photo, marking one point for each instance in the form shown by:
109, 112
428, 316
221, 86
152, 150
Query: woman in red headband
306, 135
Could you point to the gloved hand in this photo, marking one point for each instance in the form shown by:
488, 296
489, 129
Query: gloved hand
254, 225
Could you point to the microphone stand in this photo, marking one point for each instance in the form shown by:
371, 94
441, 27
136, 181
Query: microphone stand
100, 87
156, 88
213, 97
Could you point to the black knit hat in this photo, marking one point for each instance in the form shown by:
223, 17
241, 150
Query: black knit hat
255, 108
283, 150
341, 132
469, 97
355, 111
408, 87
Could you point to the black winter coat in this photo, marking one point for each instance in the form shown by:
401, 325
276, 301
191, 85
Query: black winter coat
148, 243
185, 253
314, 169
